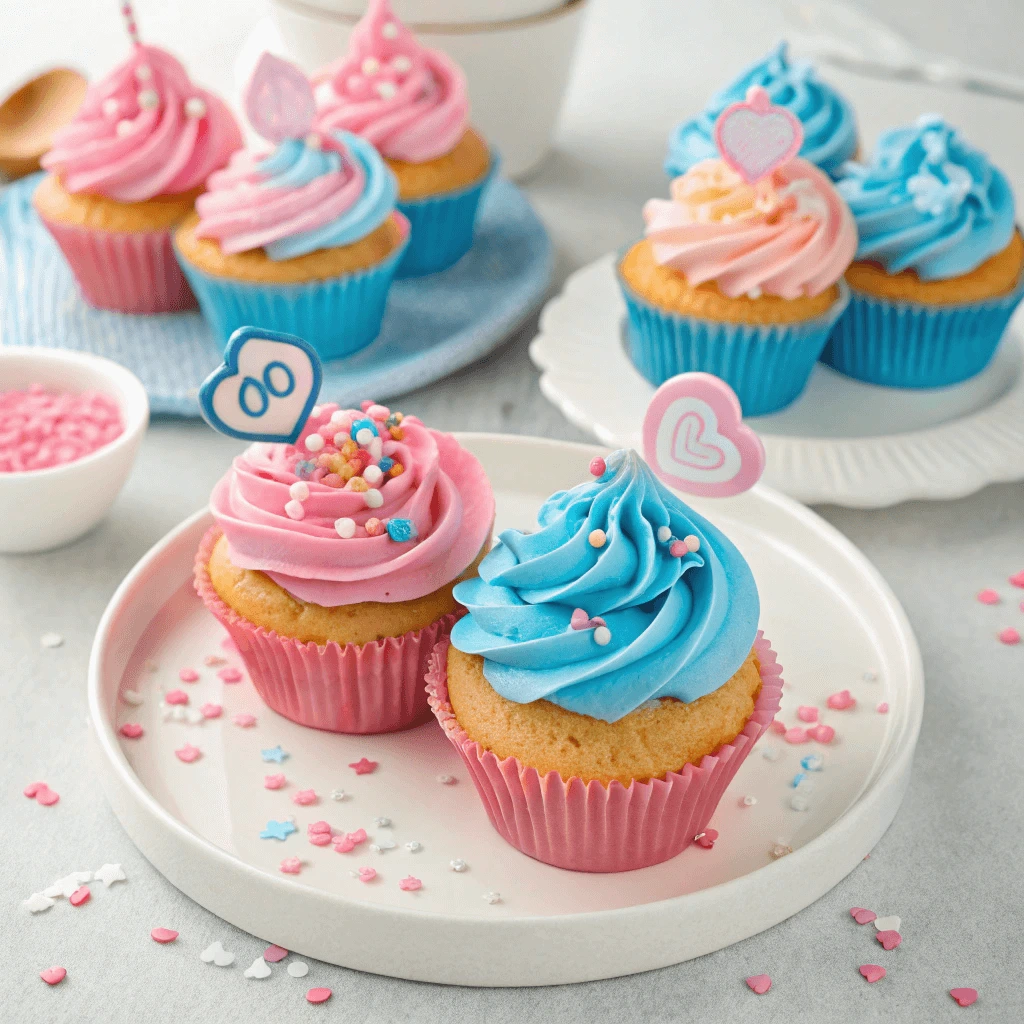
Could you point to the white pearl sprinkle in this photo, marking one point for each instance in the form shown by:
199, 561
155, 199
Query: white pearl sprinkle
340, 438
143, 72
386, 90
299, 490
602, 636
339, 416
389, 30
110, 106
597, 538
51, 640
402, 64
692, 543
124, 128
294, 509
371, 66
458, 864
413, 847
664, 534
314, 442
492, 897
373, 498
345, 527
148, 99
313, 141
373, 475
195, 106
364, 436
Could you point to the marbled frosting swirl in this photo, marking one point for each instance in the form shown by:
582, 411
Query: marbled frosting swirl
680, 625
298, 198
788, 235
928, 200
144, 131
830, 128
442, 497
410, 102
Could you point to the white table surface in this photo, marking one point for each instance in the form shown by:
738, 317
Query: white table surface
948, 865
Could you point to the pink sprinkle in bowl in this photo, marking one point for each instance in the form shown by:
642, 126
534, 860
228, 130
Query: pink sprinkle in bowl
42, 509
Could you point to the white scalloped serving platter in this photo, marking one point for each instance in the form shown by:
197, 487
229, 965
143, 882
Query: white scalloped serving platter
842, 442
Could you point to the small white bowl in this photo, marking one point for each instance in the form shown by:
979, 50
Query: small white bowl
42, 509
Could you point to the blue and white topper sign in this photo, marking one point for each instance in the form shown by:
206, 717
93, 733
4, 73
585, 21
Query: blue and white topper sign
265, 389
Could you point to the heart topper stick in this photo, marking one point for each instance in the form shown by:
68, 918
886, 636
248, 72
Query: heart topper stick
695, 441
755, 137
265, 389
279, 100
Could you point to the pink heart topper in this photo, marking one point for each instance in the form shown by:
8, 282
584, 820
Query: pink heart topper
754, 136
279, 100
695, 441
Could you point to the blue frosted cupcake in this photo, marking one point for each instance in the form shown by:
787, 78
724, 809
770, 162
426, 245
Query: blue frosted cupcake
741, 281
304, 239
830, 128
938, 271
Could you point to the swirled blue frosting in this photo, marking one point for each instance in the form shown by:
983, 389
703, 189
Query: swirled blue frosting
830, 128
293, 164
928, 200
680, 626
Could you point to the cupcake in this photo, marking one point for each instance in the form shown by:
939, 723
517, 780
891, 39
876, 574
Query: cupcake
412, 104
609, 678
124, 172
742, 281
332, 563
937, 273
830, 128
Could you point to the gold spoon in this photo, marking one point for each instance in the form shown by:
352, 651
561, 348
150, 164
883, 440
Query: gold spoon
30, 116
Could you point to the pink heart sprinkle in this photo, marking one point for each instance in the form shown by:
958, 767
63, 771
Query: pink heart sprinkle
188, 675
707, 838
367, 874
889, 938
319, 838
274, 954
777, 727
273, 781
211, 710
163, 934
807, 714
988, 597
821, 733
1016, 580
244, 719
321, 827
291, 865
872, 973
53, 975
883, 708
47, 797
759, 983
229, 675
188, 753
862, 916
131, 730
176, 697
1009, 636
796, 735
967, 996
32, 788
79, 896
318, 995
304, 797
410, 884
342, 844
841, 701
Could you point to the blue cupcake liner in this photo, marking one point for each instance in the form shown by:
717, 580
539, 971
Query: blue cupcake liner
442, 227
767, 365
912, 345
338, 316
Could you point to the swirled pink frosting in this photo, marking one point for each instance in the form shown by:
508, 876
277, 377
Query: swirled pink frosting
788, 235
410, 102
443, 492
143, 131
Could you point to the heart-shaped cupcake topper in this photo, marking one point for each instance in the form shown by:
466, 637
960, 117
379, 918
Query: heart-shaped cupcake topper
265, 389
754, 136
695, 441
279, 100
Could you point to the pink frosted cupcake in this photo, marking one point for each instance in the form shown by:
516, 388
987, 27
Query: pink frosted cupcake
124, 172
333, 561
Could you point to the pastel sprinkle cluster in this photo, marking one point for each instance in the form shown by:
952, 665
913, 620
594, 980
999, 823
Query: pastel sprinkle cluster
40, 430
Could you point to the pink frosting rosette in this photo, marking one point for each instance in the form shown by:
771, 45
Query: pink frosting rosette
788, 235
409, 101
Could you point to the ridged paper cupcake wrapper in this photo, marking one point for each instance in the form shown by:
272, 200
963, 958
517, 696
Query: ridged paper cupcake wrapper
910, 345
369, 688
767, 365
125, 271
592, 827
441, 228
338, 316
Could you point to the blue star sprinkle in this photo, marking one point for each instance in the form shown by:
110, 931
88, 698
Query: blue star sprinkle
401, 530
274, 754
277, 830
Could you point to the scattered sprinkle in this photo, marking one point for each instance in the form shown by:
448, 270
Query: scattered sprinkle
244, 720
382, 822
967, 996
38, 902
188, 675
274, 754
458, 865
401, 530
338, 794
889, 938
821, 733
258, 969
841, 701
273, 781
799, 802
230, 675
163, 935
1009, 636
664, 534
598, 467
53, 975
806, 713
872, 973
988, 597
446, 780
812, 763
886, 924
274, 953
771, 753
79, 896
413, 846
759, 983
176, 697
109, 874
882, 707
410, 884
748, 801
602, 636
131, 730
278, 830
597, 538
51, 640
211, 710
41, 793
132, 697
706, 839
305, 797
1016, 580
348, 841
364, 766
188, 753
299, 969
291, 865
492, 897
777, 727
317, 995
862, 915
366, 874
777, 850
796, 735
215, 953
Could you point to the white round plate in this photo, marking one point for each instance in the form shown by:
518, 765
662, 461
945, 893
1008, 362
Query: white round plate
841, 442
199, 823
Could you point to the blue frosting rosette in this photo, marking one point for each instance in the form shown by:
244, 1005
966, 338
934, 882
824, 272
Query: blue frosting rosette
830, 128
656, 603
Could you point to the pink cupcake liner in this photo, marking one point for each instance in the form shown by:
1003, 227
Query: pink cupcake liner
372, 688
126, 271
592, 827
